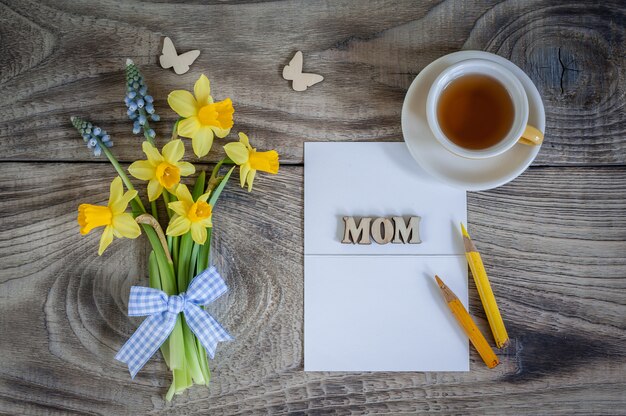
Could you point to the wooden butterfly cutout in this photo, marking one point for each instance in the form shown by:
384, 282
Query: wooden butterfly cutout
170, 58
293, 72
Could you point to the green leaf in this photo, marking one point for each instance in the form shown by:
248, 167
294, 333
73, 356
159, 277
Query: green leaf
180, 382
177, 346
166, 268
184, 256
216, 193
203, 255
167, 198
201, 264
155, 282
204, 362
191, 355
153, 271
175, 247
191, 269
198, 188
155, 211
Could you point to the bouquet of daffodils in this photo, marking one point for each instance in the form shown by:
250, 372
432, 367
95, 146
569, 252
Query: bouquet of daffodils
182, 251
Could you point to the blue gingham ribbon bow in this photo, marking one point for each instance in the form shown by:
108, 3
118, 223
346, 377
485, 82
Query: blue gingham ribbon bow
162, 311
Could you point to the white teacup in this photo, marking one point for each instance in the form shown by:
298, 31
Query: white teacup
520, 130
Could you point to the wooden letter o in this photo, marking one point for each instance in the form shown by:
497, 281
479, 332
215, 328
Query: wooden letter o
384, 225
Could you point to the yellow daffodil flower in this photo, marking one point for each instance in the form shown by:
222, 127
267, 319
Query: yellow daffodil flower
162, 171
190, 215
203, 117
115, 221
249, 160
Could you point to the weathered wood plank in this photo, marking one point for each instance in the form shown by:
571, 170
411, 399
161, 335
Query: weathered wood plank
559, 274
62, 58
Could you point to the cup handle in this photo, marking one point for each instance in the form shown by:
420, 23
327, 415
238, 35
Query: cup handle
531, 136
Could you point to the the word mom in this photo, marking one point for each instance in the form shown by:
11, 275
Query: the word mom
382, 230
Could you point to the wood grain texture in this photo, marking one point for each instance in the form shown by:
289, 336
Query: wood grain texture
64, 58
553, 241
559, 275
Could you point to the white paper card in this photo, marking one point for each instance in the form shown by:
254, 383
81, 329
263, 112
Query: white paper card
377, 307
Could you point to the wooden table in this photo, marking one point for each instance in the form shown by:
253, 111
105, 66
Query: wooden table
554, 240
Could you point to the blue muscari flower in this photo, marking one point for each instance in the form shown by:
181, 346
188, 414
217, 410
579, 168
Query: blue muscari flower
92, 135
140, 104
106, 140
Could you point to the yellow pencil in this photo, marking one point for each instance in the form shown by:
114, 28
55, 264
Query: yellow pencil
484, 291
471, 330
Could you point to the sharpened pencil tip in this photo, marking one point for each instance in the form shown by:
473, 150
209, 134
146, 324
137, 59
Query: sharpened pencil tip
464, 231
439, 281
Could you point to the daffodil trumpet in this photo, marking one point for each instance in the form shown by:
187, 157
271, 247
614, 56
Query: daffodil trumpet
250, 160
183, 250
203, 118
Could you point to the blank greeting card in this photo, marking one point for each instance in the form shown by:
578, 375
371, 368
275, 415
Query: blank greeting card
376, 306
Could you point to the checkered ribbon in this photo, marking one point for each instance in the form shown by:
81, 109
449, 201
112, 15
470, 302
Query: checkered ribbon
162, 311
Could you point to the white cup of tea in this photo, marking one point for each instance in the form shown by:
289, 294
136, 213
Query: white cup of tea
478, 109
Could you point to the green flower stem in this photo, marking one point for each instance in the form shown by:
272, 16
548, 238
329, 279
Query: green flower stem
180, 378
204, 362
202, 261
191, 270
177, 346
198, 188
172, 390
171, 241
174, 351
184, 256
153, 271
166, 199
191, 355
120, 171
175, 250
166, 268
218, 190
153, 208
216, 170
155, 282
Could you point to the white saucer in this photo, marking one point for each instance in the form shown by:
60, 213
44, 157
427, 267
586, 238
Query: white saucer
469, 174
